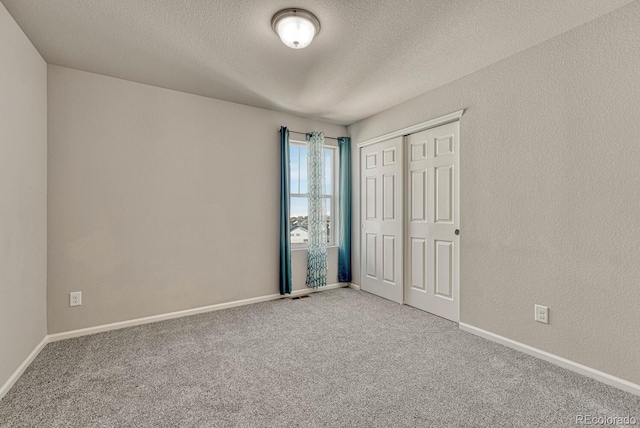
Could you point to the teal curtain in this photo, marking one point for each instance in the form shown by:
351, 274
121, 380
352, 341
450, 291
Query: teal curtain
285, 244
317, 252
344, 207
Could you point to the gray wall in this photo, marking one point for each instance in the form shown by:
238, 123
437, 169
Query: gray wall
550, 178
23, 196
160, 201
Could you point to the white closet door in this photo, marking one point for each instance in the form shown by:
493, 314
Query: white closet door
433, 218
381, 215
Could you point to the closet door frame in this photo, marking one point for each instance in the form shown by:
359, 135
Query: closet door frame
432, 123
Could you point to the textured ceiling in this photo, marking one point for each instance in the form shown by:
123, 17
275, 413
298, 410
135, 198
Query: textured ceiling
369, 56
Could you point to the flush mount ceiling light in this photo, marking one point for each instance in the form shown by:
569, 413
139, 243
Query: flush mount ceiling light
296, 27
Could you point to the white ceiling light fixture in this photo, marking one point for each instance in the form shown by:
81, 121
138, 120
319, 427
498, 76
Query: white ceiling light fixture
296, 27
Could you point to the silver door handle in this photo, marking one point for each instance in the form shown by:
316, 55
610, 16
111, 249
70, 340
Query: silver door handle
363, 226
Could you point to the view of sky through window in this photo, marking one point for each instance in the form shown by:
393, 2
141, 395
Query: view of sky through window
298, 157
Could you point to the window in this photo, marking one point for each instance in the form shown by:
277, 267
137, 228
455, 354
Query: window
299, 202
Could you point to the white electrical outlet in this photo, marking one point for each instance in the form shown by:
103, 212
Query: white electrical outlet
75, 298
542, 314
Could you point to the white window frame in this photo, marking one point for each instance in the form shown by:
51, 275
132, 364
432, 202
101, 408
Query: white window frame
333, 236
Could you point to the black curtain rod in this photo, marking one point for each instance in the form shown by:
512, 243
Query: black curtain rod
305, 133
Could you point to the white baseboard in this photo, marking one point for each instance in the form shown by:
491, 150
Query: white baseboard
554, 359
22, 367
179, 314
354, 286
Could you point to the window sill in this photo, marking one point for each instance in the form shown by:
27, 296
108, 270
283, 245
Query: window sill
306, 248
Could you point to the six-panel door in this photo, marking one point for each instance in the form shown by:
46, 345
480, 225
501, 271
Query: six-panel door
432, 219
381, 218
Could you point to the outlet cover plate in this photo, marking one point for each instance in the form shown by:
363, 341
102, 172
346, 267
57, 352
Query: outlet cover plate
75, 298
542, 314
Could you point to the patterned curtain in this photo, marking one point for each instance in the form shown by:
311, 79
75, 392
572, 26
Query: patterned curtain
317, 257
